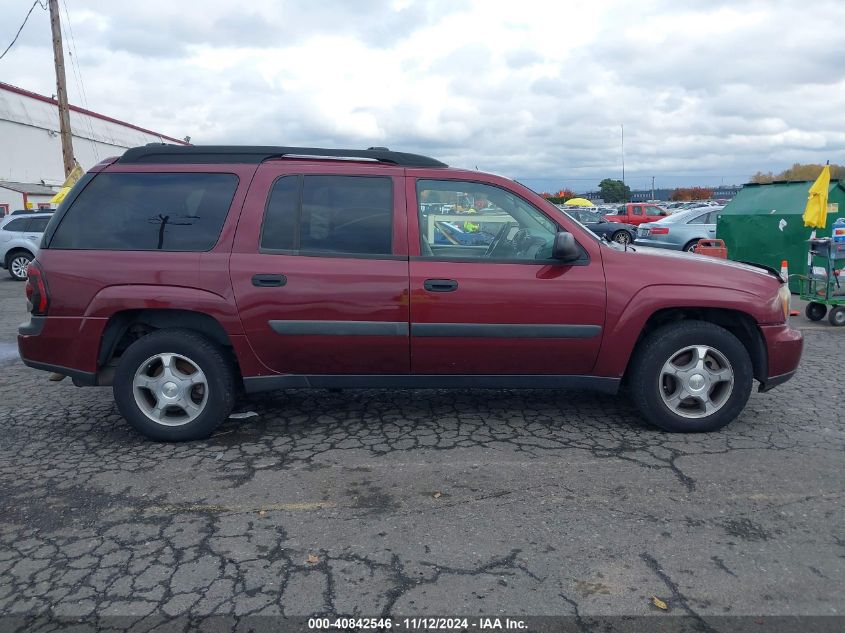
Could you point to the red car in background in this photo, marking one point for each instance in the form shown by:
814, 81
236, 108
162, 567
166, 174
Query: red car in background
636, 213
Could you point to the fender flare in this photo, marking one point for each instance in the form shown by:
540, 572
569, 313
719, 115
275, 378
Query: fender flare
623, 328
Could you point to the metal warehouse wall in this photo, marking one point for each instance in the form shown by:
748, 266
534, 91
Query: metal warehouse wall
30, 146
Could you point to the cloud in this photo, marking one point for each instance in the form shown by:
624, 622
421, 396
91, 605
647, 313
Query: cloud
707, 92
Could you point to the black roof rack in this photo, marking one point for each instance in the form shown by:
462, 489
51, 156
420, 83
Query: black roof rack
160, 153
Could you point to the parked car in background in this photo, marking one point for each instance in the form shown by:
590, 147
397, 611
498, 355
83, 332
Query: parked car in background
601, 226
30, 211
636, 213
680, 231
20, 236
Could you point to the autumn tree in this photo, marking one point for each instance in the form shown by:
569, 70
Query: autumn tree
691, 193
561, 196
799, 171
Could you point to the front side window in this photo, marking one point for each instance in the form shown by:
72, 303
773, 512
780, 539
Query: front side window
312, 215
461, 220
148, 212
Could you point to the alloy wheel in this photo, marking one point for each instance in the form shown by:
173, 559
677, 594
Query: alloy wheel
696, 381
19, 265
170, 389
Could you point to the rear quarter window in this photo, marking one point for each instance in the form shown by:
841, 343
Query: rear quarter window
147, 212
16, 225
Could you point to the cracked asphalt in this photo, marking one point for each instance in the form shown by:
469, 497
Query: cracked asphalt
422, 503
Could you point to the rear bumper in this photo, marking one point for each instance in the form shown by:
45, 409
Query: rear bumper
784, 346
646, 241
66, 345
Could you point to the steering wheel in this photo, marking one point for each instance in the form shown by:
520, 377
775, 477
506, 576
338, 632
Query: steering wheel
527, 246
500, 237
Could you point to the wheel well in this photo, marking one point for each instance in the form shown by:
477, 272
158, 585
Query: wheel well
126, 327
17, 249
740, 324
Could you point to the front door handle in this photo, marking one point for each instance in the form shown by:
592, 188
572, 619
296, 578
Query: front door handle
269, 281
440, 285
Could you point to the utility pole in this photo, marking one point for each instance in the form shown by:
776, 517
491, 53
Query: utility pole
622, 125
652, 187
61, 89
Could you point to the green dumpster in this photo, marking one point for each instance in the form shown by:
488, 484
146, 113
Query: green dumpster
763, 224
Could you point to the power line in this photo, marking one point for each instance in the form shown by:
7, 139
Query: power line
15, 39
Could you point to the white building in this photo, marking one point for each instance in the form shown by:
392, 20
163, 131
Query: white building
31, 166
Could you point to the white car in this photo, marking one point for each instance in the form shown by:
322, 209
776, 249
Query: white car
20, 236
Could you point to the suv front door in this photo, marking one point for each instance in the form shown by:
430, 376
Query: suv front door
320, 269
486, 297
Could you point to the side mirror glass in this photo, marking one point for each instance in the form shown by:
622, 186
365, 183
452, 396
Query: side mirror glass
565, 248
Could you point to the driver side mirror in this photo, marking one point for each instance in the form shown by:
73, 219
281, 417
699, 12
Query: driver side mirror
565, 248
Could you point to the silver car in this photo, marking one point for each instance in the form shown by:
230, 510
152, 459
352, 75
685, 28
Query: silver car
20, 236
680, 231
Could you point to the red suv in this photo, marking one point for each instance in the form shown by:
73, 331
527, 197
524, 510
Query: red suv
181, 275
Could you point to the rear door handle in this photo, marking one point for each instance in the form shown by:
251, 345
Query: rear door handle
440, 285
269, 281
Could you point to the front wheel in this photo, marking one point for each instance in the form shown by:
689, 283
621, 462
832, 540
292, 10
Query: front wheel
174, 385
691, 376
18, 264
621, 237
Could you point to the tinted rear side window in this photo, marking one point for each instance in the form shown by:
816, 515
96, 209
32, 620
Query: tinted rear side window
280, 217
16, 225
350, 215
37, 225
146, 212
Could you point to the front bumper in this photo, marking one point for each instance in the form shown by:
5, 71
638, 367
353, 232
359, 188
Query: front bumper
784, 346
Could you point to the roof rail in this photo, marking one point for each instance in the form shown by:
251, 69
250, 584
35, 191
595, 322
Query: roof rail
161, 153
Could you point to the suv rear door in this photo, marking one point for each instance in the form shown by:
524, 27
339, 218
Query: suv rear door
319, 268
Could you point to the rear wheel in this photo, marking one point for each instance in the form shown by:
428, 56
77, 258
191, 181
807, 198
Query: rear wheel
837, 316
691, 376
174, 385
621, 237
815, 311
690, 247
17, 264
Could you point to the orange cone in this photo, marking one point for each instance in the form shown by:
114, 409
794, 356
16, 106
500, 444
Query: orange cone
784, 270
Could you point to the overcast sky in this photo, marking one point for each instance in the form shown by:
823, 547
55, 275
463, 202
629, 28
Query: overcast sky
708, 91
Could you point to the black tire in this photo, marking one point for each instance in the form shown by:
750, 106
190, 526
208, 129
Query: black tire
219, 382
689, 247
659, 347
815, 311
837, 316
14, 261
622, 237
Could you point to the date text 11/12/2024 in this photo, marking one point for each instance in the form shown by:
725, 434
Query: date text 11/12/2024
418, 623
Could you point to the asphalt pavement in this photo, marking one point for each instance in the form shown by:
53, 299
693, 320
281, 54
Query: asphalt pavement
404, 503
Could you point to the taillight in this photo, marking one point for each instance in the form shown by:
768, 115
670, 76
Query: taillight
37, 294
659, 230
